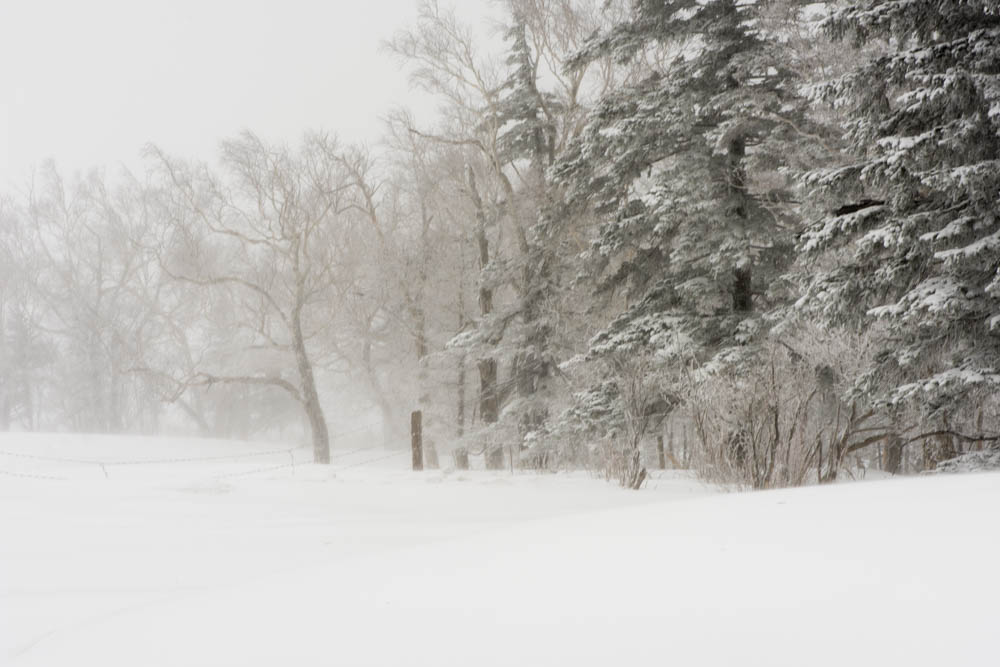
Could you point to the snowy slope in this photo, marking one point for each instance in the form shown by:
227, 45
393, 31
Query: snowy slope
376, 566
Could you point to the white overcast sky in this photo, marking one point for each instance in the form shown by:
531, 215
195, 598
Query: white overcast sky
89, 82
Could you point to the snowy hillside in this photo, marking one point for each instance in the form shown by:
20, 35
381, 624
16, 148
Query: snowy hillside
368, 564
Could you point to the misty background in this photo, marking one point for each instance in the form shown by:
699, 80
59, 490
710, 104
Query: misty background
89, 84
88, 88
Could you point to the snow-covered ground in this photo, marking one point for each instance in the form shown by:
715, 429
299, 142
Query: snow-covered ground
188, 552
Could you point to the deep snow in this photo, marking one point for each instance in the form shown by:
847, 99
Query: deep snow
252, 561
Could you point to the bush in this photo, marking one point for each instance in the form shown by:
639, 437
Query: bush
783, 412
614, 416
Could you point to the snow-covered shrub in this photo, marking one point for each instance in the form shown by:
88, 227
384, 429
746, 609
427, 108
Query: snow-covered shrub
605, 426
784, 412
538, 452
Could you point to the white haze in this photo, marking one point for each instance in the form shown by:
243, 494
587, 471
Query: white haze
89, 83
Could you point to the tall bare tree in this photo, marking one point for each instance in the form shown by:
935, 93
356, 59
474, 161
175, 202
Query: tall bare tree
269, 233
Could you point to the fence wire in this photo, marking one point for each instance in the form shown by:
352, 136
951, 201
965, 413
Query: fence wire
25, 475
132, 462
370, 461
255, 471
105, 465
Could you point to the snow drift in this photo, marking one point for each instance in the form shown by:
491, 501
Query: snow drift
384, 568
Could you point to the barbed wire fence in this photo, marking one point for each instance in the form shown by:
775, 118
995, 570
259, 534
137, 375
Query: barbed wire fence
25, 475
107, 465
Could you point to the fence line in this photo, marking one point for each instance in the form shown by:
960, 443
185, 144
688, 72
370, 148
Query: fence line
376, 460
186, 459
29, 475
334, 468
190, 459
105, 464
256, 471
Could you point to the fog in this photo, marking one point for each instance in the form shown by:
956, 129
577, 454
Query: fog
102, 105
88, 84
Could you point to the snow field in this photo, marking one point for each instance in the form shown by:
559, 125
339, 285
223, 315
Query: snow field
374, 565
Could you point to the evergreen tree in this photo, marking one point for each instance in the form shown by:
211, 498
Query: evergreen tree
689, 166
526, 119
918, 243
524, 114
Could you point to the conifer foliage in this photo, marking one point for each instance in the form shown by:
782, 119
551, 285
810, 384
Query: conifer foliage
924, 241
686, 165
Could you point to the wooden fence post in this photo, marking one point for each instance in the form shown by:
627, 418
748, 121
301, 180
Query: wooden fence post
416, 439
659, 451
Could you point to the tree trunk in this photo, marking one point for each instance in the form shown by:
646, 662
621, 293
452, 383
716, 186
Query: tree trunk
460, 390
946, 448
116, 417
390, 428
310, 397
892, 456
420, 314
489, 407
416, 440
742, 294
635, 472
4, 409
423, 395
738, 208
488, 403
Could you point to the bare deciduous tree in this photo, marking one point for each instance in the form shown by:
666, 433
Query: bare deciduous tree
271, 235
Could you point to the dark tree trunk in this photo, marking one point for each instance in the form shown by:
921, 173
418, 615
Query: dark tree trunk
488, 399
532, 368
310, 397
635, 472
460, 390
742, 294
416, 440
738, 209
946, 448
314, 411
489, 407
892, 455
